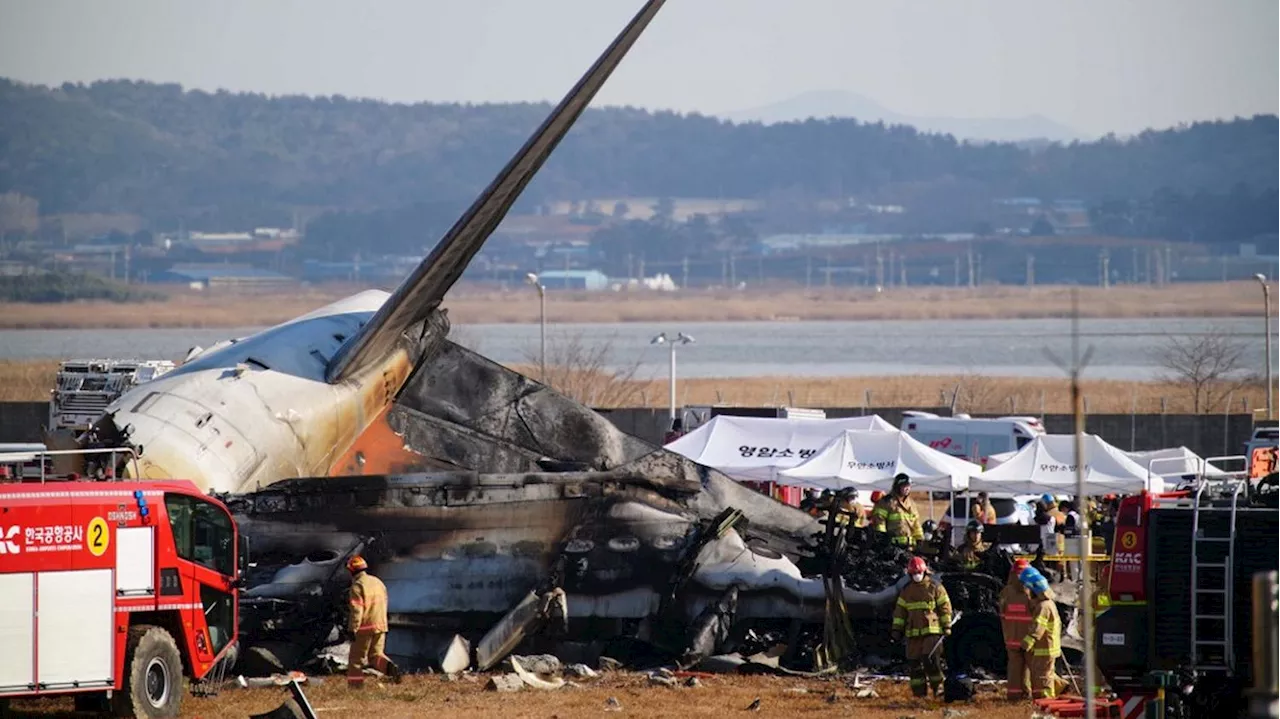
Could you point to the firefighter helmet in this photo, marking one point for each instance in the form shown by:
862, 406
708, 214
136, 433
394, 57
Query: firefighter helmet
974, 526
1020, 565
900, 480
876, 496
357, 564
917, 566
1033, 580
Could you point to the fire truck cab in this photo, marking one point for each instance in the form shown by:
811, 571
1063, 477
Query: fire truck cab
114, 590
1177, 636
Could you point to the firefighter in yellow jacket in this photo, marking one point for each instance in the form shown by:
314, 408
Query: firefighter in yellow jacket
923, 617
969, 554
895, 515
368, 623
1042, 642
1015, 621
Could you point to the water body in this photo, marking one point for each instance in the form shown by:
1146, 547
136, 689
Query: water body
1122, 349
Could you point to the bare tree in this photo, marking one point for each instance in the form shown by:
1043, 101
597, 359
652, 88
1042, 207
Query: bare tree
1207, 366
586, 372
977, 393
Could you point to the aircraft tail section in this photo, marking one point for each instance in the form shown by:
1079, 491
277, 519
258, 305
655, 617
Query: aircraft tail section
424, 289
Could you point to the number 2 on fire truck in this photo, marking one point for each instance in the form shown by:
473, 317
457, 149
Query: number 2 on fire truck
99, 536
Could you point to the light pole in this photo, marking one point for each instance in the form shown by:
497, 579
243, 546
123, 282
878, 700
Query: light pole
1266, 300
680, 339
532, 279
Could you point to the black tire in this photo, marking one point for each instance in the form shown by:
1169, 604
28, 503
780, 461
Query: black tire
153, 675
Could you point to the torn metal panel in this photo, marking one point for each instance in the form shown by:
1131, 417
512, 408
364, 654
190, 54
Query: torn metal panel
515, 410
456, 446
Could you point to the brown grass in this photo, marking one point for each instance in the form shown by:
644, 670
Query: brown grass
468, 305
985, 395
427, 696
22, 381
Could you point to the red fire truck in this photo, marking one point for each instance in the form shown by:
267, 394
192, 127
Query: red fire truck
1177, 639
113, 590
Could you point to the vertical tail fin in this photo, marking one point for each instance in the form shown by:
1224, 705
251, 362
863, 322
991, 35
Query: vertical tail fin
423, 290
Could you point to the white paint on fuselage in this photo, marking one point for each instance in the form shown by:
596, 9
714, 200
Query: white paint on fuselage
229, 425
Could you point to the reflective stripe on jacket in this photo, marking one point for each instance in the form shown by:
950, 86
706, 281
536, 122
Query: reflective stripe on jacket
1015, 614
368, 601
898, 519
923, 608
1042, 639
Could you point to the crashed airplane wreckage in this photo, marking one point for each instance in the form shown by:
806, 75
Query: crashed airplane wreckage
479, 504
471, 486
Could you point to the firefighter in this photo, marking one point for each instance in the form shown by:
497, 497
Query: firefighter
1015, 623
895, 515
368, 624
1042, 643
934, 545
982, 510
923, 616
852, 512
969, 553
821, 504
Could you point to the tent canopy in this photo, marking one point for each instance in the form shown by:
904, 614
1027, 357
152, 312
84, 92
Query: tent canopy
870, 459
755, 448
1048, 464
1175, 462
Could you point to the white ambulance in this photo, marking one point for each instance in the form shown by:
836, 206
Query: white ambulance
969, 438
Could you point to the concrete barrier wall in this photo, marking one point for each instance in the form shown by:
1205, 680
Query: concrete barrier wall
22, 421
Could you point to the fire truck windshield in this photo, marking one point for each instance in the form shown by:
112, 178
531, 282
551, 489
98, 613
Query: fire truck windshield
202, 532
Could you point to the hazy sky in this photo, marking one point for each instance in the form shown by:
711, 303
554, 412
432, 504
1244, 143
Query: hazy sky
1094, 65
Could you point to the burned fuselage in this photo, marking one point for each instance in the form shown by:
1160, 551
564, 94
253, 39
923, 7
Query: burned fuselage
633, 554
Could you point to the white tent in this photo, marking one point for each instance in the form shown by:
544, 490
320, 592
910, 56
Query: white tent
870, 459
1175, 462
995, 460
755, 448
1048, 464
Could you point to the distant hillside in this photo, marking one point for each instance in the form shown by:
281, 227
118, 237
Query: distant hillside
230, 161
822, 104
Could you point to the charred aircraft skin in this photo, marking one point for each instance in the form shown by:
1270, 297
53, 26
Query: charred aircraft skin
460, 549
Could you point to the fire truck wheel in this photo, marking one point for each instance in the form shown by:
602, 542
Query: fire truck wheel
153, 675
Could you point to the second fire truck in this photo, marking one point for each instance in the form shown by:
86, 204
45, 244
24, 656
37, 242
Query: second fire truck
1178, 638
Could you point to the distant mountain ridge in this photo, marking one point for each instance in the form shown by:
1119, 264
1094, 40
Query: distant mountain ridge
822, 104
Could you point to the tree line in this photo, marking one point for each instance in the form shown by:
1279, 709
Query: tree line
223, 161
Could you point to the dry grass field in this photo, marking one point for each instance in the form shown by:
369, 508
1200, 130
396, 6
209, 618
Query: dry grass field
425, 696
31, 381
186, 308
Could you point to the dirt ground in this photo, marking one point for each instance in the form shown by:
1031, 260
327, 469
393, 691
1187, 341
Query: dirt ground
434, 695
